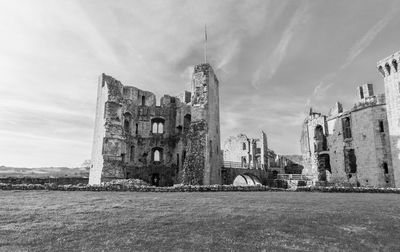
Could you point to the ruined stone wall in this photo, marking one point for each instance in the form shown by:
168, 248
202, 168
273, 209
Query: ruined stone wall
212, 172
309, 145
205, 117
247, 152
99, 134
388, 67
236, 147
193, 166
125, 141
371, 147
264, 151
163, 145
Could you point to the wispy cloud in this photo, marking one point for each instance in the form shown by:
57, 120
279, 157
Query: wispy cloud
368, 37
268, 69
319, 93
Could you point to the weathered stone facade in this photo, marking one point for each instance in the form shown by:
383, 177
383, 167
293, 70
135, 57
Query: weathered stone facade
246, 152
388, 67
250, 160
349, 146
175, 142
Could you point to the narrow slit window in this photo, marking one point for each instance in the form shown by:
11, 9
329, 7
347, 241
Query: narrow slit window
385, 168
381, 128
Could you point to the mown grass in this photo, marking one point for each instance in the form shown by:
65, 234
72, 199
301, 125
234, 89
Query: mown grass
219, 221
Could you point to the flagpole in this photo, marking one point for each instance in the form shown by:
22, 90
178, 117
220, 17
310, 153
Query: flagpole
205, 44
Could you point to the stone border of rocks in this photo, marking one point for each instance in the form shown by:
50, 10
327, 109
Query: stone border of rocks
191, 188
342, 189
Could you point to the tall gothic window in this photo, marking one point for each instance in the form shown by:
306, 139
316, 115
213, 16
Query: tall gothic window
346, 127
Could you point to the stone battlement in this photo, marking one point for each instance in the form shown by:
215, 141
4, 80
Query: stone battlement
389, 64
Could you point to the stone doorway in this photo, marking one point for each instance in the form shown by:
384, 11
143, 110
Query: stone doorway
155, 179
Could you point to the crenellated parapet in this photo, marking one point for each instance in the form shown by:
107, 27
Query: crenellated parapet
389, 65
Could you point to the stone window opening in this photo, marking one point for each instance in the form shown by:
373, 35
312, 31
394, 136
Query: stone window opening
132, 154
394, 63
385, 168
380, 69
157, 126
186, 122
244, 146
387, 67
350, 161
244, 161
179, 129
137, 129
210, 148
183, 156
320, 139
143, 100
381, 128
361, 93
177, 159
157, 154
346, 127
126, 126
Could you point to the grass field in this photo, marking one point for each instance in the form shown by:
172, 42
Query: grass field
252, 221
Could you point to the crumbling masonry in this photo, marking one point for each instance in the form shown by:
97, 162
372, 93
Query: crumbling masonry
176, 142
360, 146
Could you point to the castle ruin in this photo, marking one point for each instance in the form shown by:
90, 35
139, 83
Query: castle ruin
176, 142
361, 145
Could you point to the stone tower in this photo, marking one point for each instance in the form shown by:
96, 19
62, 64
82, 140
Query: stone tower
203, 162
388, 67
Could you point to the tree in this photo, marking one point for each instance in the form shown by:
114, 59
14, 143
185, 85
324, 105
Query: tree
86, 164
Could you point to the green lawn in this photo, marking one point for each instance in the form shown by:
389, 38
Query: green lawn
245, 221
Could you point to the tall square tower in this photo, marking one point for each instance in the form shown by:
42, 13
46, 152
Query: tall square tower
388, 67
203, 162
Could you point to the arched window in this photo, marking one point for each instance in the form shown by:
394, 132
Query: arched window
157, 125
394, 63
387, 68
385, 168
154, 127
320, 139
157, 154
127, 122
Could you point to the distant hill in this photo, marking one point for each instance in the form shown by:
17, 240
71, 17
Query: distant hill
55, 172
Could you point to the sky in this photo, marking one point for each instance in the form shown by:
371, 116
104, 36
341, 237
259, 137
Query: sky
274, 60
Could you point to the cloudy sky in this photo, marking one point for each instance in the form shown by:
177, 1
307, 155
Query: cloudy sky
274, 60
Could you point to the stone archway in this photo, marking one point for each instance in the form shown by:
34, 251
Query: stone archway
246, 180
